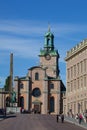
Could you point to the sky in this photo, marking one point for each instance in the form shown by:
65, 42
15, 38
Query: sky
23, 24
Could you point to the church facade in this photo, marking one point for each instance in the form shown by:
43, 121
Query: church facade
42, 89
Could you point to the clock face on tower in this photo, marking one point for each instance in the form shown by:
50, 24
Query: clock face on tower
47, 57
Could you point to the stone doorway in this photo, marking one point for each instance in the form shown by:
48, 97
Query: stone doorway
36, 108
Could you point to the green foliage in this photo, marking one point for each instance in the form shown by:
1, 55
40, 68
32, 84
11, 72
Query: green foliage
7, 83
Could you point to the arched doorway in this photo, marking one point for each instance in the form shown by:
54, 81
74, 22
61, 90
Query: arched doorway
8, 100
22, 102
51, 104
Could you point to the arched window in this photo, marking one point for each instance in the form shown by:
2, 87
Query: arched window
8, 101
36, 76
51, 104
22, 102
48, 41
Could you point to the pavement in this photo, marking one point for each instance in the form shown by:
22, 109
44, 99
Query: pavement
76, 122
2, 117
67, 119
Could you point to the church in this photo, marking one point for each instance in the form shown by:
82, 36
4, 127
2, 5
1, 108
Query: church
41, 90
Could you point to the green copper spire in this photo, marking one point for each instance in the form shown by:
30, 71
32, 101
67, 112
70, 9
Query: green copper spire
49, 40
48, 28
49, 45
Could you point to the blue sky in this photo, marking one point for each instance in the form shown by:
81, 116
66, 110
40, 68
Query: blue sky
23, 24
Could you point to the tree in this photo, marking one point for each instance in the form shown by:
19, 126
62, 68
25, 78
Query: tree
7, 83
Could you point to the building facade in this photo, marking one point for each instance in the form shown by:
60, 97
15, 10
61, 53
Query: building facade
42, 89
76, 79
1, 99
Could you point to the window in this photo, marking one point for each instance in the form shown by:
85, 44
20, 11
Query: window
81, 66
21, 85
52, 102
81, 82
36, 76
84, 65
74, 70
48, 41
78, 68
36, 92
51, 86
71, 86
84, 81
71, 72
78, 83
68, 87
68, 73
75, 84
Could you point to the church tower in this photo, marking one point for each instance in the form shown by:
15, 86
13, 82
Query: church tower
49, 56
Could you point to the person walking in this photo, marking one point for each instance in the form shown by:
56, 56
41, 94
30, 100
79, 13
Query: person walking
57, 118
62, 118
80, 118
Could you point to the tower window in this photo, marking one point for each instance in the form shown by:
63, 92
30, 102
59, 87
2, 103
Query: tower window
48, 41
36, 76
51, 86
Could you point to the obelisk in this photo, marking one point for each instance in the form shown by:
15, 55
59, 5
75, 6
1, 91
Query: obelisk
11, 73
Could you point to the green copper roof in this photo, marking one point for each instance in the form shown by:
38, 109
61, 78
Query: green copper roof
52, 53
49, 45
48, 34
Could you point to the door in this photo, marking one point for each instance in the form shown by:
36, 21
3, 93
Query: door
36, 108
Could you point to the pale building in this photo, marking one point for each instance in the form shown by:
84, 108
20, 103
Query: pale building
76, 79
2, 98
42, 89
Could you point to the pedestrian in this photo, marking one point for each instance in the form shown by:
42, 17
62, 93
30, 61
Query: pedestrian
80, 118
57, 118
62, 118
21, 109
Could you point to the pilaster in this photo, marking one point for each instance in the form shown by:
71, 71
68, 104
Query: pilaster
16, 87
45, 98
57, 103
27, 93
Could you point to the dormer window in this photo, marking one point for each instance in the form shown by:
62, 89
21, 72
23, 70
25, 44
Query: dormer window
36, 76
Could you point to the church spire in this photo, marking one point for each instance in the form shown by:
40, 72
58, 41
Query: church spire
48, 27
49, 41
